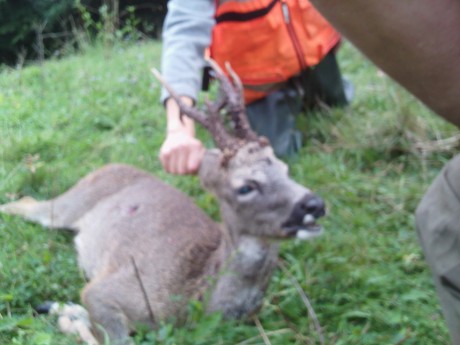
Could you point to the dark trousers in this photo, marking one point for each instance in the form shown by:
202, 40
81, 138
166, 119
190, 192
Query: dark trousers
275, 115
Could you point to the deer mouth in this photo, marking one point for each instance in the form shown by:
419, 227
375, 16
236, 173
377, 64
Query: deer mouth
307, 229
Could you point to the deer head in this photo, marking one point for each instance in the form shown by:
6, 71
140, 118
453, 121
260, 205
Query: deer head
256, 195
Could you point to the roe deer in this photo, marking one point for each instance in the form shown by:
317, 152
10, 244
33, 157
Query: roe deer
142, 243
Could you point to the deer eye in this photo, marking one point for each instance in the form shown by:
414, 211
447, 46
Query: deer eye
246, 189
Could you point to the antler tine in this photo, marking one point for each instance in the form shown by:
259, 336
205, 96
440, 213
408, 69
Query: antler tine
212, 122
236, 80
242, 127
219, 104
214, 110
226, 88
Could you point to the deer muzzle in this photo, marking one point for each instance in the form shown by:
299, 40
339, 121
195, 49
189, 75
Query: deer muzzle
302, 221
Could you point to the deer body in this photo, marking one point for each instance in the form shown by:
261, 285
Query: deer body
147, 249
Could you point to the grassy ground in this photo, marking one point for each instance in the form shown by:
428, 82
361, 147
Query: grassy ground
366, 277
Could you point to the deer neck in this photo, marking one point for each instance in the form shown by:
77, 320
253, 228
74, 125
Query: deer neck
246, 267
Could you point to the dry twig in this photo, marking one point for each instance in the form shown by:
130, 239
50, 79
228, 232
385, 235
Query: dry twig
305, 300
262, 332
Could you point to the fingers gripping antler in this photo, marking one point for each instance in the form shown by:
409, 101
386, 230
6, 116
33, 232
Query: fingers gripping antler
211, 121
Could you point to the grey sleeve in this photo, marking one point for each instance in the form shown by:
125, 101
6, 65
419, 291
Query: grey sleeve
186, 34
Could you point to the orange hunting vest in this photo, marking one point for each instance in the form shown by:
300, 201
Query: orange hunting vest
269, 41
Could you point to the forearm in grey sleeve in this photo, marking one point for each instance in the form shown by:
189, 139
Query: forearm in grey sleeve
186, 34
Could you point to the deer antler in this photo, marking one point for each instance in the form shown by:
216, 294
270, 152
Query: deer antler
230, 98
235, 101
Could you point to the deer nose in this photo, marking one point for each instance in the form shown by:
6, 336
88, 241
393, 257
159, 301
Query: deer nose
305, 212
311, 204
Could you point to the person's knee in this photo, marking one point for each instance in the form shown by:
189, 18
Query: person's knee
438, 224
274, 118
437, 215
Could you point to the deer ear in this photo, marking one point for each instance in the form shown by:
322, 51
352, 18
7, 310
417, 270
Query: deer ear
211, 169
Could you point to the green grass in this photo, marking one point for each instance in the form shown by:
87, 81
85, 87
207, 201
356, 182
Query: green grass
366, 277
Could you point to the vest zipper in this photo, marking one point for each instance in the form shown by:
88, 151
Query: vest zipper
293, 35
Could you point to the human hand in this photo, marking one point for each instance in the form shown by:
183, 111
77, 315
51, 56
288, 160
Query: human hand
181, 153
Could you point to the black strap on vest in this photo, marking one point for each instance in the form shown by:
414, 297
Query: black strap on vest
241, 17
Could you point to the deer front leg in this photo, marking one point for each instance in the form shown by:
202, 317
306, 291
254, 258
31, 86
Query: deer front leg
106, 315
